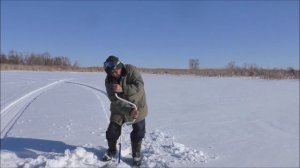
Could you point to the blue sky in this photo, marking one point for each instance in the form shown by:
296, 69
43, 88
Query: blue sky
156, 33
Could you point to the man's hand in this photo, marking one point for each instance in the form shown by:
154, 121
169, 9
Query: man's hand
117, 88
134, 114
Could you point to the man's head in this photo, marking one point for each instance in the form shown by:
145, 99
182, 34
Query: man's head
113, 66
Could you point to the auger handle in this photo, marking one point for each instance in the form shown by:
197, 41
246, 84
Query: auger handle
132, 104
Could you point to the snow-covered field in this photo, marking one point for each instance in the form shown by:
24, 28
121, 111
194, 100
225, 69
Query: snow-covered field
59, 119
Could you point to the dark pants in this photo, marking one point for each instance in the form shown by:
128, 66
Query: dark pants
137, 134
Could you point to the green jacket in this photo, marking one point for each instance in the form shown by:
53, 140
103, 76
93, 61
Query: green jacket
133, 91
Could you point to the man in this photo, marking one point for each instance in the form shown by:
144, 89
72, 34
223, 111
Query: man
126, 81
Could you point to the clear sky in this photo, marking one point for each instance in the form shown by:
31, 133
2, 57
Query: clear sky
156, 33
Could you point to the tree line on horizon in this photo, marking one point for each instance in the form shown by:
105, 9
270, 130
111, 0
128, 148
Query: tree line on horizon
45, 62
41, 59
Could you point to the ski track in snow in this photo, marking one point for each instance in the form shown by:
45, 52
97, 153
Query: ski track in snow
158, 148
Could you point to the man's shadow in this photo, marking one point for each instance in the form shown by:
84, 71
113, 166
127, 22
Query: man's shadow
27, 147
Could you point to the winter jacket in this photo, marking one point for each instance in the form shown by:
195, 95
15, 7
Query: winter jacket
133, 91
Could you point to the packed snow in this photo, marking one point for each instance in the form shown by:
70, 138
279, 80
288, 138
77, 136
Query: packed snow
59, 119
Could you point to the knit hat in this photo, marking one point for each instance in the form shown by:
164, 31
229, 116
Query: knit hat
111, 63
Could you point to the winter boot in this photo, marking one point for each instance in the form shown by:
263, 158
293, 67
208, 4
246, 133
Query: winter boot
136, 153
111, 151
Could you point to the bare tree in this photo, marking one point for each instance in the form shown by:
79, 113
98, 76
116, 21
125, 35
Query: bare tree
15, 58
231, 65
3, 59
47, 58
194, 63
76, 64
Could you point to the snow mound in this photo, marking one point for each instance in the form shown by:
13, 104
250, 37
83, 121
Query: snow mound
9, 159
76, 158
160, 150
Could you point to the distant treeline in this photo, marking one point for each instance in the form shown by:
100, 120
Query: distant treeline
289, 73
231, 70
45, 62
44, 59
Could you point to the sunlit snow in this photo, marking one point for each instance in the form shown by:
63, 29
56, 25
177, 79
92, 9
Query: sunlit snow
59, 119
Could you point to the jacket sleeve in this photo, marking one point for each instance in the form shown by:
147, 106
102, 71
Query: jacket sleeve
116, 103
110, 94
134, 89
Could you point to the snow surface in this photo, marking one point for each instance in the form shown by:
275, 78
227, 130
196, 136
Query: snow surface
59, 119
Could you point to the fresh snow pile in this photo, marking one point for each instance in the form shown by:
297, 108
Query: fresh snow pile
10, 159
159, 150
75, 158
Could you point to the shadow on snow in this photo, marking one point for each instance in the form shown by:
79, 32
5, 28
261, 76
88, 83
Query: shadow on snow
26, 147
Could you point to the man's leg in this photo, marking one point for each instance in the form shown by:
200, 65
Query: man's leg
137, 135
112, 135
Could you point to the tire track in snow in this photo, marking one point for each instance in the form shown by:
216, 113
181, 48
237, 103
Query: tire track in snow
14, 119
99, 94
12, 112
104, 109
13, 96
3, 111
